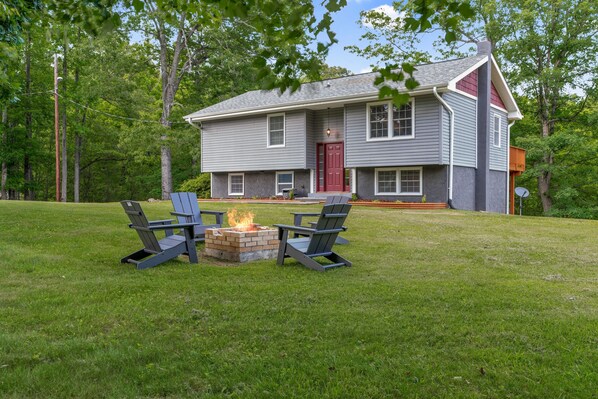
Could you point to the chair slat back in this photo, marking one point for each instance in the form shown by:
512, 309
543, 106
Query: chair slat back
138, 219
336, 199
332, 217
186, 203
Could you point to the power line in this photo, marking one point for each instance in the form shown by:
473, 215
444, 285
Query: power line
37, 92
116, 116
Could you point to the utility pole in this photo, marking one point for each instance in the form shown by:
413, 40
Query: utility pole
56, 123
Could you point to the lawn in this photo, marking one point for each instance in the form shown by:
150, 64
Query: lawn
437, 304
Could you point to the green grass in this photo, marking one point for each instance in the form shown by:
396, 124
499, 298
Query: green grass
432, 298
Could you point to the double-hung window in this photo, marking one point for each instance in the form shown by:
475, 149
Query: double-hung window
276, 130
284, 180
387, 121
398, 181
236, 184
496, 130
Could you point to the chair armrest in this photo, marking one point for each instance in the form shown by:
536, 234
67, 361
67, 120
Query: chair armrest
300, 229
186, 215
219, 215
173, 226
165, 221
212, 212
156, 222
331, 231
305, 213
315, 223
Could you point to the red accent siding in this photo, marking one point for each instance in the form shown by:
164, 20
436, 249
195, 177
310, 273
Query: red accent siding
495, 98
469, 84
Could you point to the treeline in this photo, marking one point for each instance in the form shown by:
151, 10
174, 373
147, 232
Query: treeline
112, 126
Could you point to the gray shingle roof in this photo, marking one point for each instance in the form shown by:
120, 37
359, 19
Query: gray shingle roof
428, 75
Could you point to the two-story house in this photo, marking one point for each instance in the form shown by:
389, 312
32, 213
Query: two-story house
450, 143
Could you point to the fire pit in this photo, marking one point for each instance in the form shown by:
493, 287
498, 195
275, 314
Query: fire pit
243, 242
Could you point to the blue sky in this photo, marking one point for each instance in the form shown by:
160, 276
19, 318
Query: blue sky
348, 33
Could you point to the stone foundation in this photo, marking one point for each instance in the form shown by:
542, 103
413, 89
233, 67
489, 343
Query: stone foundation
242, 246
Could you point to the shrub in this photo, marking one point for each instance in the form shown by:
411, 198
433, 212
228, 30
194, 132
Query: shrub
199, 185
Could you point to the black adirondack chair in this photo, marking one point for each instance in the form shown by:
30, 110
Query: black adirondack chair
319, 240
157, 251
186, 209
333, 199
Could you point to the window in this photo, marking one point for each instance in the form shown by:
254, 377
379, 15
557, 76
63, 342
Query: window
496, 130
398, 181
284, 180
276, 130
401, 121
378, 121
387, 122
236, 184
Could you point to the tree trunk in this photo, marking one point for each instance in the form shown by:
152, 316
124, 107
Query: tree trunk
63, 189
78, 140
27, 170
4, 178
78, 148
546, 175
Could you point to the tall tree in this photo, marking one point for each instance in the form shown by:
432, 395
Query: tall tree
546, 47
550, 50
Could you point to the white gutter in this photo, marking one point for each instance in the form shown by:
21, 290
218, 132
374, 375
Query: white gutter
451, 144
509, 165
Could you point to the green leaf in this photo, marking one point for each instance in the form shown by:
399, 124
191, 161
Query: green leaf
450, 37
408, 68
411, 84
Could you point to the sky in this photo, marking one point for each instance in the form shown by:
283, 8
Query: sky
348, 33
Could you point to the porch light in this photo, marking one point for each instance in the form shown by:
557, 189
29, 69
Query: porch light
328, 123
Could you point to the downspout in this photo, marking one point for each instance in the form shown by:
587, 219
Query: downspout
451, 145
509, 166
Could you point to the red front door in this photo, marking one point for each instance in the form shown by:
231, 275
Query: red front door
335, 173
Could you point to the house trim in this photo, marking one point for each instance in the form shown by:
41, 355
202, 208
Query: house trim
398, 180
466, 94
452, 85
498, 108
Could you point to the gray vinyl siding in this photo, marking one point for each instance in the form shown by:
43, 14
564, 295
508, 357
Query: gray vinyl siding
310, 143
498, 155
465, 110
445, 136
424, 149
240, 144
335, 122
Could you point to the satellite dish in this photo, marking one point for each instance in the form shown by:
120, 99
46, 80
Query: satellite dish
522, 192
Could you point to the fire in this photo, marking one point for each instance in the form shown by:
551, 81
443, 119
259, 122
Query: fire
241, 220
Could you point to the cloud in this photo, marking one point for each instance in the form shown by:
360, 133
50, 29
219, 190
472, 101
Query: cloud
365, 70
385, 9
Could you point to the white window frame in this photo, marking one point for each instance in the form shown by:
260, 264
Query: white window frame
496, 117
284, 172
390, 122
284, 130
398, 180
230, 183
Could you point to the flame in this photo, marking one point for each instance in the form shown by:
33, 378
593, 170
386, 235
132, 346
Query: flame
241, 220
